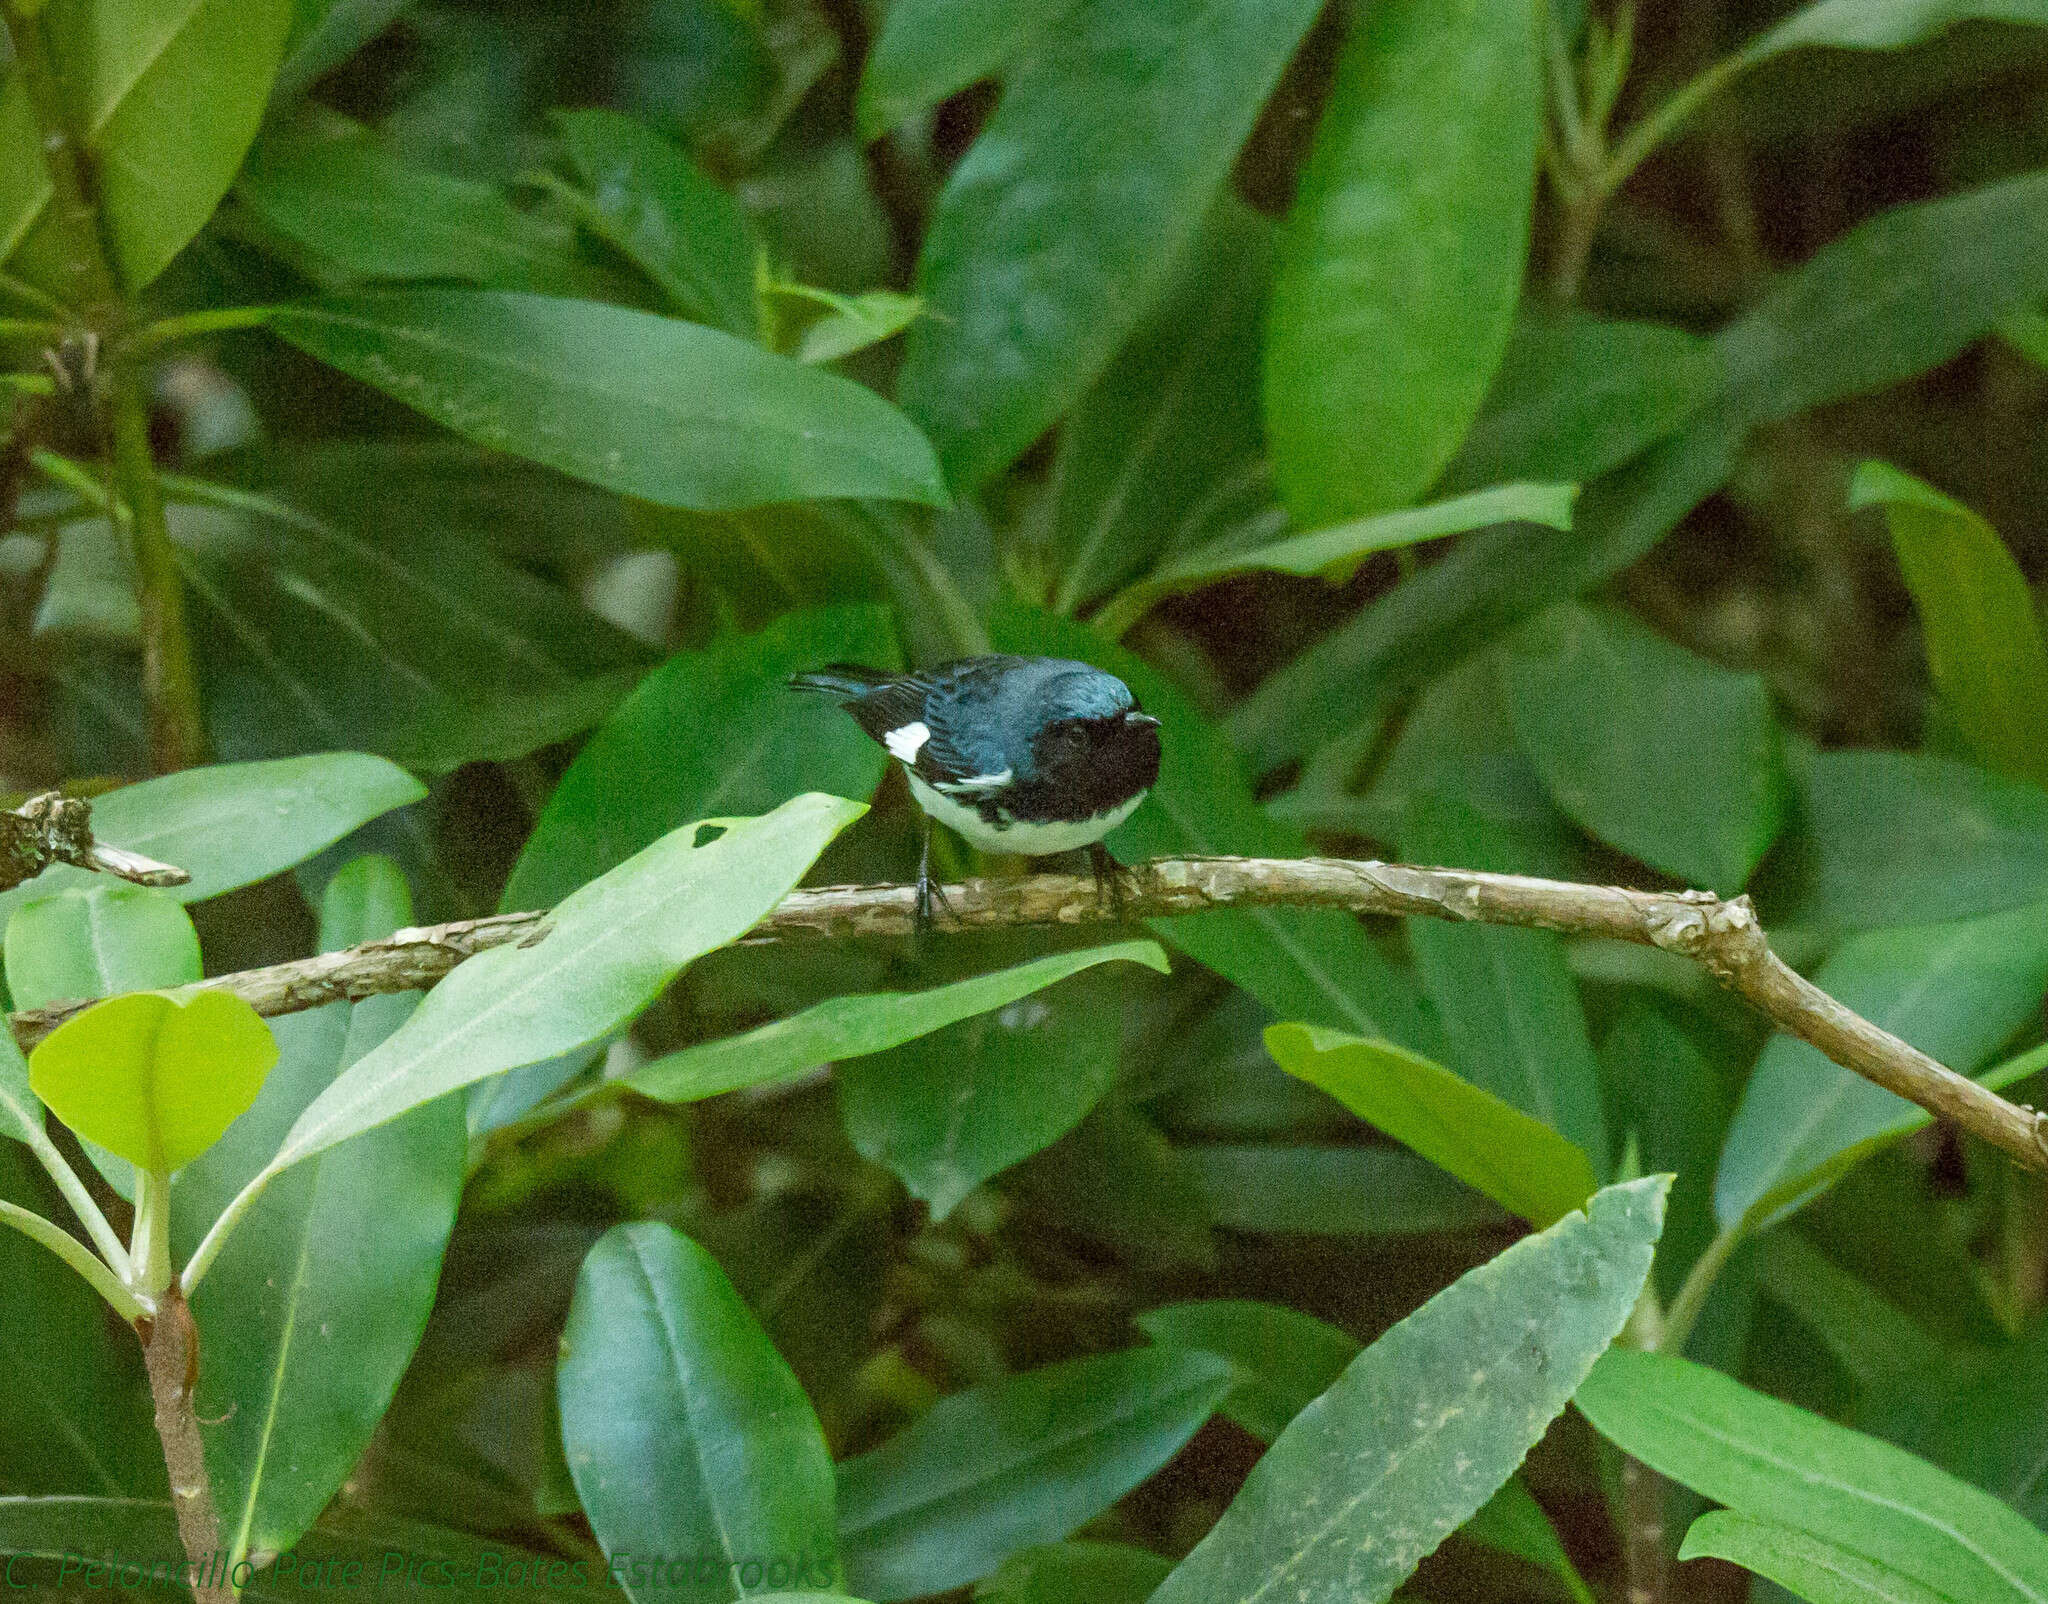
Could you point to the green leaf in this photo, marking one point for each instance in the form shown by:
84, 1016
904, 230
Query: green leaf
1430, 1420
707, 734
943, 1112
673, 412
21, 1112
167, 99
685, 1430
1058, 229
1901, 294
1336, 551
1115, 1179
853, 322
1577, 395
1331, 1191
1956, 991
338, 190
609, 949
851, 1027
233, 824
679, 228
1901, 837
325, 33
1514, 1523
1402, 259
1014, 1462
1883, 24
1984, 645
1507, 998
1059, 1573
1810, 1566
296, 1377
1304, 963
1282, 1360
1771, 1461
1663, 754
1524, 1166
94, 941
156, 1079
930, 50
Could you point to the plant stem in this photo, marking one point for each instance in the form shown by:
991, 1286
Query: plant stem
1645, 1556
73, 1252
170, 1353
153, 337
170, 685
1684, 1312
93, 287
74, 1193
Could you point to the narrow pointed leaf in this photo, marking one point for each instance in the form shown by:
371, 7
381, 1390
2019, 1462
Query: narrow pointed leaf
1814, 1568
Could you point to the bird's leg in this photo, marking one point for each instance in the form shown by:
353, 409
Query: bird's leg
1109, 880
928, 891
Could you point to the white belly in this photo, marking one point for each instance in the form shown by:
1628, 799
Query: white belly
1015, 835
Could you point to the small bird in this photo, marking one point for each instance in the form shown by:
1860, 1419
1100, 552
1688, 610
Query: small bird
1015, 754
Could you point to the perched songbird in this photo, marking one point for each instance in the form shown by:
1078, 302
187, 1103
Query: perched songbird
1016, 754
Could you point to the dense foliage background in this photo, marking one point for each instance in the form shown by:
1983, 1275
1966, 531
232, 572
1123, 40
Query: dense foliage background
1598, 440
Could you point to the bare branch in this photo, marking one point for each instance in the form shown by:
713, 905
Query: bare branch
1722, 936
54, 828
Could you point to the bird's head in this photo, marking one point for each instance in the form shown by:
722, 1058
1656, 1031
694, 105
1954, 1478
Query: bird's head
1093, 736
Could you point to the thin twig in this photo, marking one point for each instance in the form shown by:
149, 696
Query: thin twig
170, 1353
1722, 936
53, 828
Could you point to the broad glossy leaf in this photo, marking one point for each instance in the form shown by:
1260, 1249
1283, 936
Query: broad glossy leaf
609, 949
654, 407
1282, 1359
233, 824
1661, 753
678, 227
428, 650
1058, 1573
1893, 298
1522, 1165
1429, 1421
1956, 991
1402, 259
946, 1111
1771, 1461
1883, 24
685, 1430
1984, 644
338, 190
851, 1027
1812, 1567
928, 50
167, 99
1577, 395
1302, 963
1506, 997
154, 1078
709, 733
1058, 229
1336, 550
94, 941
1015, 1462
1332, 1191
296, 1376
1908, 837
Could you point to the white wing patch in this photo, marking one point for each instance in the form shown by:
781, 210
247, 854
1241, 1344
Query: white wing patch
979, 783
905, 743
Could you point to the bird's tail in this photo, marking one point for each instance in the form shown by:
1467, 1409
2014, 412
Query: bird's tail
846, 680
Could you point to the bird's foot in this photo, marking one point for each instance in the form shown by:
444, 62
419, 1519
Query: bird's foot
929, 891
1113, 882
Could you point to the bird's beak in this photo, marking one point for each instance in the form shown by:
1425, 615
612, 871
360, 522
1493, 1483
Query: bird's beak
1145, 719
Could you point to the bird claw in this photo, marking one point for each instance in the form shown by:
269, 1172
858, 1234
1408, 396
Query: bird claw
1113, 882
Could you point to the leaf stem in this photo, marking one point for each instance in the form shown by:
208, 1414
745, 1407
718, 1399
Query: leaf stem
73, 1252
218, 1233
104, 1237
1684, 1312
191, 325
150, 1249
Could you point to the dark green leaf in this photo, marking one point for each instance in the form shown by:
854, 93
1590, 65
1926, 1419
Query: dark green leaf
1282, 1359
1956, 991
94, 941
1908, 837
325, 33
1300, 962
1024, 1460
154, 1078
1984, 644
1507, 998
1060, 1573
1810, 1566
1116, 1179
1402, 259
1059, 227
1883, 24
851, 1027
929, 50
1514, 1523
1429, 1421
1771, 1461
852, 322
298, 1372
1332, 1191
670, 411
686, 1432
167, 98
1522, 1165
1670, 757
707, 734
680, 229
